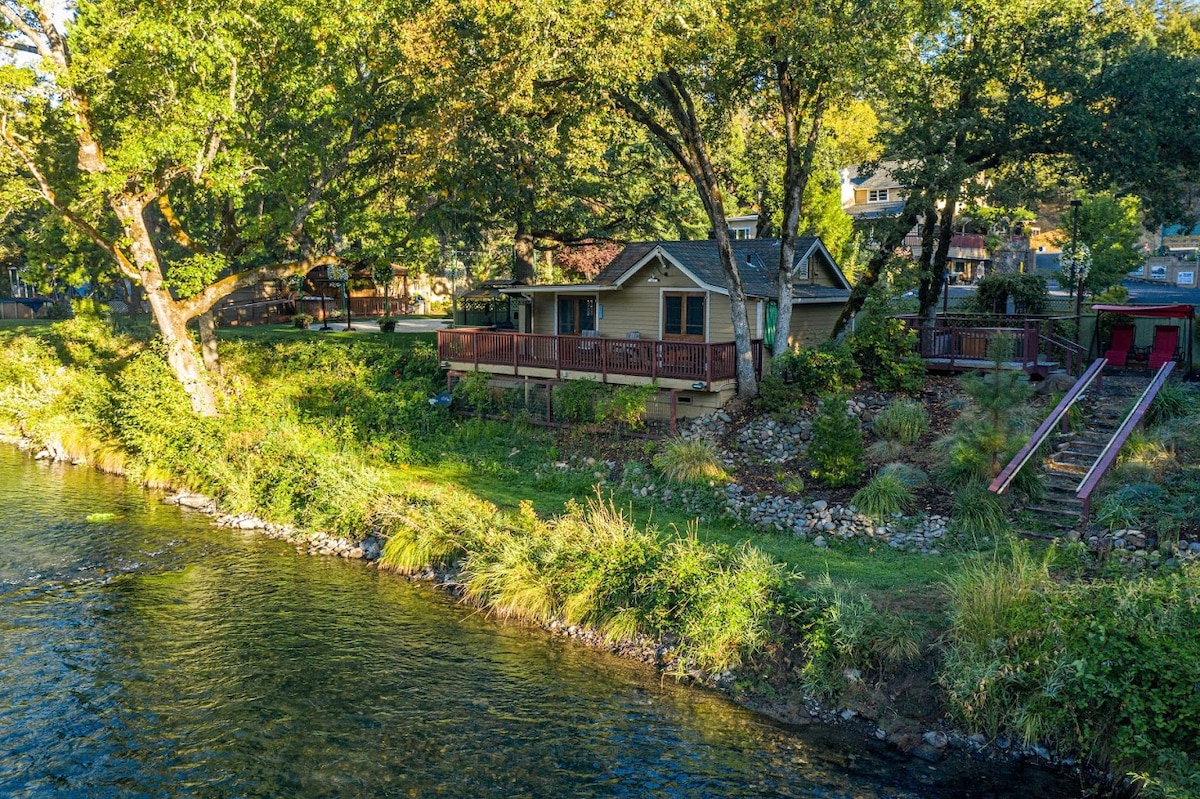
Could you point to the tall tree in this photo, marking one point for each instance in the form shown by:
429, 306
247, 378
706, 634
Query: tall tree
819, 56
205, 138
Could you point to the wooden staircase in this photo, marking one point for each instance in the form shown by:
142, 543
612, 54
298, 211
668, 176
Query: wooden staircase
1073, 453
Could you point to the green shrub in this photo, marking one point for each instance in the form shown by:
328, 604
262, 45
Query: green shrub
625, 406
694, 460
829, 368
903, 420
574, 401
836, 444
475, 391
1103, 667
1029, 293
885, 348
883, 497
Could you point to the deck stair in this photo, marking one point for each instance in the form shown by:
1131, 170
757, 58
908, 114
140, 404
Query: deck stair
1074, 453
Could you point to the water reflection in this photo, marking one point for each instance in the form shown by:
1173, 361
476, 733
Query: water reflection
152, 655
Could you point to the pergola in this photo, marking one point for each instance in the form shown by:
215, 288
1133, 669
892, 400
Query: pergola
1185, 312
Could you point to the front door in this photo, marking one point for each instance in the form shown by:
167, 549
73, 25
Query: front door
575, 315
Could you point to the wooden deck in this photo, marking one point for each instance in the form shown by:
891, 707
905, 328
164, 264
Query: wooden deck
608, 360
954, 344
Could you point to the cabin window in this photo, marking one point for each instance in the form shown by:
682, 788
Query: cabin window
575, 315
683, 315
877, 196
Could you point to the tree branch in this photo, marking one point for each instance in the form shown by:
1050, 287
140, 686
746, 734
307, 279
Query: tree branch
215, 292
51, 197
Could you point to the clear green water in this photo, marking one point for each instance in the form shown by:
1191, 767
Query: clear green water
149, 654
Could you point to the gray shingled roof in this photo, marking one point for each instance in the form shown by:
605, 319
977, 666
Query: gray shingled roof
758, 260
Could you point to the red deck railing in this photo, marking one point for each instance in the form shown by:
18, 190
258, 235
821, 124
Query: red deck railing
962, 343
679, 360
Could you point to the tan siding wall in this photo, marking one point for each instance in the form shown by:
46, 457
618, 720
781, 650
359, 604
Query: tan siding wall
812, 324
822, 273
543, 314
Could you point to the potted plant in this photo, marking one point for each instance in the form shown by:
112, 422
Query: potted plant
387, 324
302, 320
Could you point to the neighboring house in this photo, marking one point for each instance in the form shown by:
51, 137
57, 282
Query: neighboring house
1182, 271
875, 195
659, 312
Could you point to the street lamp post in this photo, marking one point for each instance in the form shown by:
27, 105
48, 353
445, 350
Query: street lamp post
1075, 204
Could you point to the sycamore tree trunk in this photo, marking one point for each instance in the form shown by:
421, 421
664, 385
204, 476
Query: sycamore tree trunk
795, 182
208, 343
168, 315
687, 145
524, 270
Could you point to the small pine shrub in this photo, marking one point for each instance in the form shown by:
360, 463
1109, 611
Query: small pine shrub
836, 444
905, 421
883, 497
694, 460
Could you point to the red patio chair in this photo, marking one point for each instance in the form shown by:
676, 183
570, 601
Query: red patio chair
1166, 340
1122, 343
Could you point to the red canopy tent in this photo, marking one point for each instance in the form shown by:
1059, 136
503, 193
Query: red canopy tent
1185, 312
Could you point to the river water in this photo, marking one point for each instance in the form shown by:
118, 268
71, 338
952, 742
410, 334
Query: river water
150, 654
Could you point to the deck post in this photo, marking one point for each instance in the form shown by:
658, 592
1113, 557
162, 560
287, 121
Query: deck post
516, 343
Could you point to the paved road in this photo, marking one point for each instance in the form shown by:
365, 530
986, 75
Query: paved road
1143, 293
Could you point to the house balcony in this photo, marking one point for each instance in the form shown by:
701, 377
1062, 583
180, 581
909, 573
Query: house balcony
687, 365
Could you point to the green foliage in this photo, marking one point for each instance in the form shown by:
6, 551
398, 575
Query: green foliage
905, 421
843, 633
690, 460
979, 513
1029, 293
575, 401
594, 566
625, 406
1172, 401
883, 497
1107, 667
837, 445
475, 390
989, 431
830, 368
885, 348
188, 276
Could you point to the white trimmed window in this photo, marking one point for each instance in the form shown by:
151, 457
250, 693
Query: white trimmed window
877, 195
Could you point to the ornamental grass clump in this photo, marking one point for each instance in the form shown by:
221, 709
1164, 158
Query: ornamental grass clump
884, 497
690, 460
904, 421
844, 634
593, 566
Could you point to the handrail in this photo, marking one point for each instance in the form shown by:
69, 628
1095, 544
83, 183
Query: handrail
1005, 478
1109, 455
